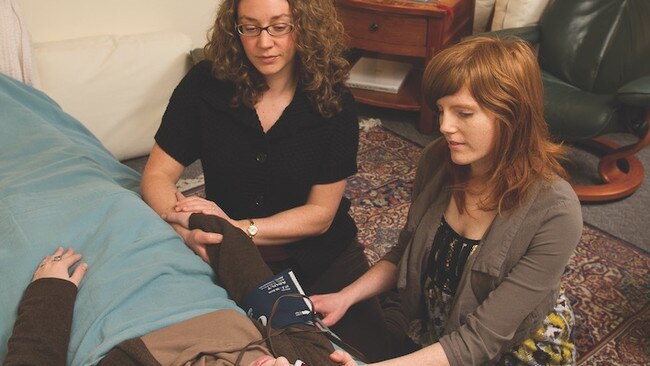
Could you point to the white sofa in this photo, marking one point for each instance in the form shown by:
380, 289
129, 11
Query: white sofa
113, 64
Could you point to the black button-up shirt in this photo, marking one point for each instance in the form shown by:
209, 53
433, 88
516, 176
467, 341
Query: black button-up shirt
252, 174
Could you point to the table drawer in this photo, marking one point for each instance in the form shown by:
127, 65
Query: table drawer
391, 29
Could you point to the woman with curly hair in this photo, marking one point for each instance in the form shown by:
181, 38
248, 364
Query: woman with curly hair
276, 131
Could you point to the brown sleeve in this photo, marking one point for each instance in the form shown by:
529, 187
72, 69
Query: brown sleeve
240, 268
42, 329
236, 261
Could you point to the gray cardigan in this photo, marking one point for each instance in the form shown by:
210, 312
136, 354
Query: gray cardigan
509, 284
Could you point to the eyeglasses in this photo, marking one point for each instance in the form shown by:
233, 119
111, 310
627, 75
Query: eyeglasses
275, 30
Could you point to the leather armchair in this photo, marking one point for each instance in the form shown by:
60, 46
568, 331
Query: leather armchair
595, 61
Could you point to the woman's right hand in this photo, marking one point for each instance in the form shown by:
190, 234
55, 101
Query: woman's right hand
197, 240
332, 306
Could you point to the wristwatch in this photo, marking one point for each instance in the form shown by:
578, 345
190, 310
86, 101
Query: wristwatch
252, 229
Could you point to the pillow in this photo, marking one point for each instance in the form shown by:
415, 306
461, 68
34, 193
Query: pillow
517, 13
482, 14
118, 86
197, 55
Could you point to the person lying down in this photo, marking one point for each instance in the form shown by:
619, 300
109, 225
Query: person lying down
223, 337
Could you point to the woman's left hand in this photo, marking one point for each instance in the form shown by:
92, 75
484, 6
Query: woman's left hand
58, 265
199, 205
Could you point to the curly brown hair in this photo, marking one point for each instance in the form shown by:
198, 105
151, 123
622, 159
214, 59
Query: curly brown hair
503, 76
320, 43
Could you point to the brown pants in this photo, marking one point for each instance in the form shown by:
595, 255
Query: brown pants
240, 268
363, 326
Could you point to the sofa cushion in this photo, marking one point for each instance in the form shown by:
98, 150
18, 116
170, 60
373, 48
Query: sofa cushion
517, 13
118, 86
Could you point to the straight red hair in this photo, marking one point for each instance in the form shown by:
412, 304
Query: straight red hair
504, 77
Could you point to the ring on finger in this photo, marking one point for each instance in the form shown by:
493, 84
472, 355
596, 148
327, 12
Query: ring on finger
56, 258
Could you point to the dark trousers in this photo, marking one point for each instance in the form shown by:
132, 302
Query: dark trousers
363, 326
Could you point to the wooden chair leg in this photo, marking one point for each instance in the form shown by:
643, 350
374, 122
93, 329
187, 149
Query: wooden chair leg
621, 171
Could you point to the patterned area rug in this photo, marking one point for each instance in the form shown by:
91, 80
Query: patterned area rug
607, 279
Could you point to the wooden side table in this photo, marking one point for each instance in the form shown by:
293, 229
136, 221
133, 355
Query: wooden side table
404, 29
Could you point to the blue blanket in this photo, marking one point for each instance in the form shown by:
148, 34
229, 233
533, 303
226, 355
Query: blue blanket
60, 187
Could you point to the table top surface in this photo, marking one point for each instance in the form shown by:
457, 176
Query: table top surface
414, 7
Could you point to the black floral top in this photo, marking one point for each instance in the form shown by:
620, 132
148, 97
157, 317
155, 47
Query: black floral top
447, 259
550, 344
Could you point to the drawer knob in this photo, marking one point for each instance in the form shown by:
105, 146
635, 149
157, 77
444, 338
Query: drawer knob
373, 27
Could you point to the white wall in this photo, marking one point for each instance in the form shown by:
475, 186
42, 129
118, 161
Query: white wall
51, 20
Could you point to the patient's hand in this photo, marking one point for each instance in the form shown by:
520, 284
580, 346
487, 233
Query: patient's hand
180, 218
267, 360
58, 265
195, 239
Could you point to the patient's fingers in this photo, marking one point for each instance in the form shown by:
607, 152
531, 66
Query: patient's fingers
198, 239
69, 256
79, 273
280, 361
260, 361
70, 260
206, 238
58, 265
203, 253
58, 252
180, 218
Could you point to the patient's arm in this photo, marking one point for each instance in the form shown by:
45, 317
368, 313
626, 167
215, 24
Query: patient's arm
42, 329
239, 267
236, 261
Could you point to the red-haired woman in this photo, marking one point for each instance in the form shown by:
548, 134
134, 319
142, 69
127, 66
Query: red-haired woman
492, 222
